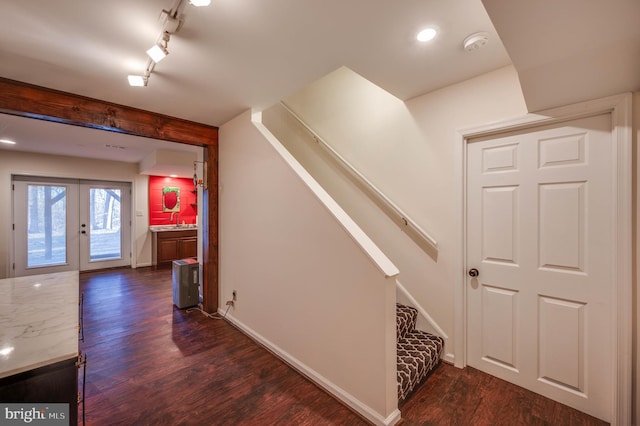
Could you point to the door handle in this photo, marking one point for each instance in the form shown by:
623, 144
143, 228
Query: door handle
473, 272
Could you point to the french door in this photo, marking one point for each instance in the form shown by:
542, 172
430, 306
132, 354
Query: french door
63, 225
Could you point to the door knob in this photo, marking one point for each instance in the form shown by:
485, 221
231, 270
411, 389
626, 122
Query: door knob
473, 272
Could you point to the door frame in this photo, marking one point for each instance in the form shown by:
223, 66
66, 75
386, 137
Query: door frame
619, 107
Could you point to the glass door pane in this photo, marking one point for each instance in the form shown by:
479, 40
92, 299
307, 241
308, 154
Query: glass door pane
46, 225
45, 218
105, 224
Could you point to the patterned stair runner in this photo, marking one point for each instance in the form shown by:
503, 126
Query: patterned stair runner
418, 351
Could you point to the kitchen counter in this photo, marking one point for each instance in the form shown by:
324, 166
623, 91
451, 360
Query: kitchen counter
38, 321
170, 228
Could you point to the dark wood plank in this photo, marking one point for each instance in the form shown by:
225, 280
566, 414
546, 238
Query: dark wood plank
52, 105
42, 103
210, 300
150, 363
451, 396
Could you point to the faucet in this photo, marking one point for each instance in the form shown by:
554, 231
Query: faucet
171, 217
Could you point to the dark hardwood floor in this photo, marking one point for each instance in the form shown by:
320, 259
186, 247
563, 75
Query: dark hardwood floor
152, 364
451, 396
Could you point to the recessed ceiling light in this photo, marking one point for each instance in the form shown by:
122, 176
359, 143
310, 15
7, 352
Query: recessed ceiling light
7, 141
427, 34
200, 2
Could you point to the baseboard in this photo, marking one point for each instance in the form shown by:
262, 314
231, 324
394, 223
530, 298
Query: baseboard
449, 358
346, 398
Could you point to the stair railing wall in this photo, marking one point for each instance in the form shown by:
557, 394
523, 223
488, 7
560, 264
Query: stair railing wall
307, 278
423, 239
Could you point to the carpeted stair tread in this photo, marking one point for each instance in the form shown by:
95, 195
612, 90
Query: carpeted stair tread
418, 352
406, 317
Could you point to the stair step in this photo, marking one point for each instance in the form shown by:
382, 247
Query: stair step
419, 352
406, 317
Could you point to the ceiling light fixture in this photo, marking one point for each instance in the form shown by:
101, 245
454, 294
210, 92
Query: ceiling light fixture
7, 141
172, 20
157, 53
138, 80
159, 50
427, 34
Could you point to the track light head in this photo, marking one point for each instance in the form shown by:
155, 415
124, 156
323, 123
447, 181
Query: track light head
138, 80
157, 53
159, 50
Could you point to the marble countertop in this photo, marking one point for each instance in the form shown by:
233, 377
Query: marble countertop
169, 228
38, 321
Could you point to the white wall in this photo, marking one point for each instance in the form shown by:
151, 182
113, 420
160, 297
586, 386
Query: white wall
14, 162
408, 151
304, 287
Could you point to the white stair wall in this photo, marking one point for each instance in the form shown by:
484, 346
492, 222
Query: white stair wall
311, 286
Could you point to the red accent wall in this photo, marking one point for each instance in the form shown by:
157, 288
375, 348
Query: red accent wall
188, 200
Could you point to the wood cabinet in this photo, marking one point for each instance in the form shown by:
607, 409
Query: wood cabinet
175, 245
55, 383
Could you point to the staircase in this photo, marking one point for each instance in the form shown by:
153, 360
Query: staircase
419, 352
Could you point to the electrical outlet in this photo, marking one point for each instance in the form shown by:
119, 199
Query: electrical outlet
235, 295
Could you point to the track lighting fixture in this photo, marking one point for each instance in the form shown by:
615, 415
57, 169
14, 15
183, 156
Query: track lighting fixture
138, 80
172, 20
157, 53
159, 50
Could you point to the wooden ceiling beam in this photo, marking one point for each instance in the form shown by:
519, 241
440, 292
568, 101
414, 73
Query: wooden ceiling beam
17, 98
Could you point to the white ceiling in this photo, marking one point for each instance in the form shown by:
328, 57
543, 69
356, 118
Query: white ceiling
240, 54
47, 137
237, 54
569, 51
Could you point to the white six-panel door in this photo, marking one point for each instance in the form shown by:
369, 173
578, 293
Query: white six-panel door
540, 233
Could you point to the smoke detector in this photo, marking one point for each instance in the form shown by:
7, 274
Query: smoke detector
475, 41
